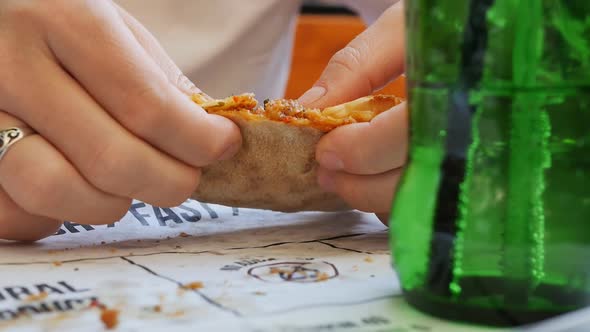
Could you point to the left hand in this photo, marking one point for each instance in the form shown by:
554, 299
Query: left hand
363, 162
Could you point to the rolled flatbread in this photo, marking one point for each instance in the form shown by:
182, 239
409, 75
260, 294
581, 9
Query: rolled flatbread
275, 168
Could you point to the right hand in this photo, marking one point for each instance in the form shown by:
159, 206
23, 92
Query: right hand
363, 162
111, 113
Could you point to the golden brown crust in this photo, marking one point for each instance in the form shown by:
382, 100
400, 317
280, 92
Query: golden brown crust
276, 168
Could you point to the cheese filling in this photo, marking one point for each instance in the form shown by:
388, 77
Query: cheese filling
291, 112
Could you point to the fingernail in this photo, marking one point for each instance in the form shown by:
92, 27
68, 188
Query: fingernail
326, 182
230, 152
312, 95
330, 161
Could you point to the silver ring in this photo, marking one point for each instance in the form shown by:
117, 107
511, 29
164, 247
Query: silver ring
10, 136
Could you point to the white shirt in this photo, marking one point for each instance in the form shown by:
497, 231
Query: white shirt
233, 46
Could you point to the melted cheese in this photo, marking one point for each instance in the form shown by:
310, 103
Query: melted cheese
291, 112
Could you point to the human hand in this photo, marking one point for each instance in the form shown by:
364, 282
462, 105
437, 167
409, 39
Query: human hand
111, 116
363, 162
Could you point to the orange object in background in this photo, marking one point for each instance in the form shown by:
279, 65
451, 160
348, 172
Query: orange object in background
318, 38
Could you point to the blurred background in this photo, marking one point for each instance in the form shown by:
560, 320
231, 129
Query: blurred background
310, 57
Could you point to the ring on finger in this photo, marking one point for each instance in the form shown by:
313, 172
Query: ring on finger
10, 136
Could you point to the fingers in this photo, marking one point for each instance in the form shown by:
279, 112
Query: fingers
18, 225
128, 83
367, 148
103, 152
43, 183
362, 162
158, 54
370, 193
369, 62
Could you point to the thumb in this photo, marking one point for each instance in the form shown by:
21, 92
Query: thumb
366, 64
158, 54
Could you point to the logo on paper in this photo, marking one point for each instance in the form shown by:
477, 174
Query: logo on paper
302, 272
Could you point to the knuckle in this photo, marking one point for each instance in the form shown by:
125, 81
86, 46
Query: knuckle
144, 107
349, 63
107, 169
349, 58
16, 73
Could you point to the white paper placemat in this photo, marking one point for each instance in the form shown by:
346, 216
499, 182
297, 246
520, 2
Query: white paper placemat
210, 268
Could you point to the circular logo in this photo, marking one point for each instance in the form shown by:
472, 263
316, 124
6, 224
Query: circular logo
301, 272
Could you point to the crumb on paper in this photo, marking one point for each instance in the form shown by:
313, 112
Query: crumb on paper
110, 318
323, 277
37, 297
194, 285
369, 259
157, 308
183, 234
57, 263
355, 268
177, 313
259, 293
59, 317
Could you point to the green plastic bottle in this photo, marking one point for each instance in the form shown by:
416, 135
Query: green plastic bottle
491, 221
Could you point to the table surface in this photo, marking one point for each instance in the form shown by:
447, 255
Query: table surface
206, 266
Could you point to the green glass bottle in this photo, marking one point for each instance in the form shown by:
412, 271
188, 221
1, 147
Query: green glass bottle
491, 221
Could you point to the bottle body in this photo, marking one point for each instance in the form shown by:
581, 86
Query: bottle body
491, 221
